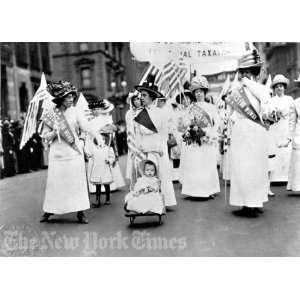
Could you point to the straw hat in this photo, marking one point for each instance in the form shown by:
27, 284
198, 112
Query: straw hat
279, 78
199, 83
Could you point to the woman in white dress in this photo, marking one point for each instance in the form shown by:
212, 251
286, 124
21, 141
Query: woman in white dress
66, 189
249, 140
199, 172
294, 140
151, 132
280, 130
131, 167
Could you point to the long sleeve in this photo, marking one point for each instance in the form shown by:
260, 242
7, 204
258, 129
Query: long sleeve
292, 119
48, 134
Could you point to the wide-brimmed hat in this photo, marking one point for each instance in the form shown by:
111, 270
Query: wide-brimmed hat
199, 82
150, 87
250, 60
102, 105
279, 78
182, 95
61, 89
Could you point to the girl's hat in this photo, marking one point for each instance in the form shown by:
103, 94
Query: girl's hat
102, 105
59, 90
279, 78
199, 83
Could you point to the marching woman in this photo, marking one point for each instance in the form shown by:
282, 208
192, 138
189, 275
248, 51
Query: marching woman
294, 139
249, 141
151, 132
66, 189
135, 107
280, 129
199, 171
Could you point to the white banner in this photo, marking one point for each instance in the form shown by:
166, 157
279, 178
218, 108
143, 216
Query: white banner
205, 58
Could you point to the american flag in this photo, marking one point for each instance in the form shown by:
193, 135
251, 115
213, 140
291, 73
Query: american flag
34, 110
172, 77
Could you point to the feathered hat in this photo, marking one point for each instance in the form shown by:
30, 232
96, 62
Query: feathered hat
150, 87
102, 105
61, 89
250, 60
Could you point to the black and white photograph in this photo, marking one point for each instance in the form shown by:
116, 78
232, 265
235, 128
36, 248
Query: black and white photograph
149, 150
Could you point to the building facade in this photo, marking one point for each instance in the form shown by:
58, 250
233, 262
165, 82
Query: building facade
98, 70
21, 67
283, 58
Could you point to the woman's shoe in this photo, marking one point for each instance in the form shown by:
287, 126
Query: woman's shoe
82, 218
246, 212
107, 202
96, 205
45, 217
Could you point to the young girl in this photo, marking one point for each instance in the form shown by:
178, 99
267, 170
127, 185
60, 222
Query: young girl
146, 196
103, 158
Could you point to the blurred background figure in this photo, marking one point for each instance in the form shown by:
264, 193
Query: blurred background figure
8, 145
121, 138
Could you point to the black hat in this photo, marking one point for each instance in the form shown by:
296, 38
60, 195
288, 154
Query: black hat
150, 87
181, 96
103, 105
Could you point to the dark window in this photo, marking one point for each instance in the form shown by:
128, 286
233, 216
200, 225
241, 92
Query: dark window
6, 53
34, 56
114, 50
108, 78
45, 57
120, 52
21, 55
4, 93
35, 84
106, 47
23, 92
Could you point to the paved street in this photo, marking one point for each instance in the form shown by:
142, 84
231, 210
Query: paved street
193, 229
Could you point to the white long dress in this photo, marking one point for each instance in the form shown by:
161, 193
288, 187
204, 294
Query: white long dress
199, 172
279, 133
66, 188
152, 141
294, 129
249, 153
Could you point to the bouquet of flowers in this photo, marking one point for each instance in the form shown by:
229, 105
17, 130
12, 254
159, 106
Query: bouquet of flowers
198, 131
194, 134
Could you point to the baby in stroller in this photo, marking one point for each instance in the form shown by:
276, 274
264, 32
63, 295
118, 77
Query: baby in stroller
146, 196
